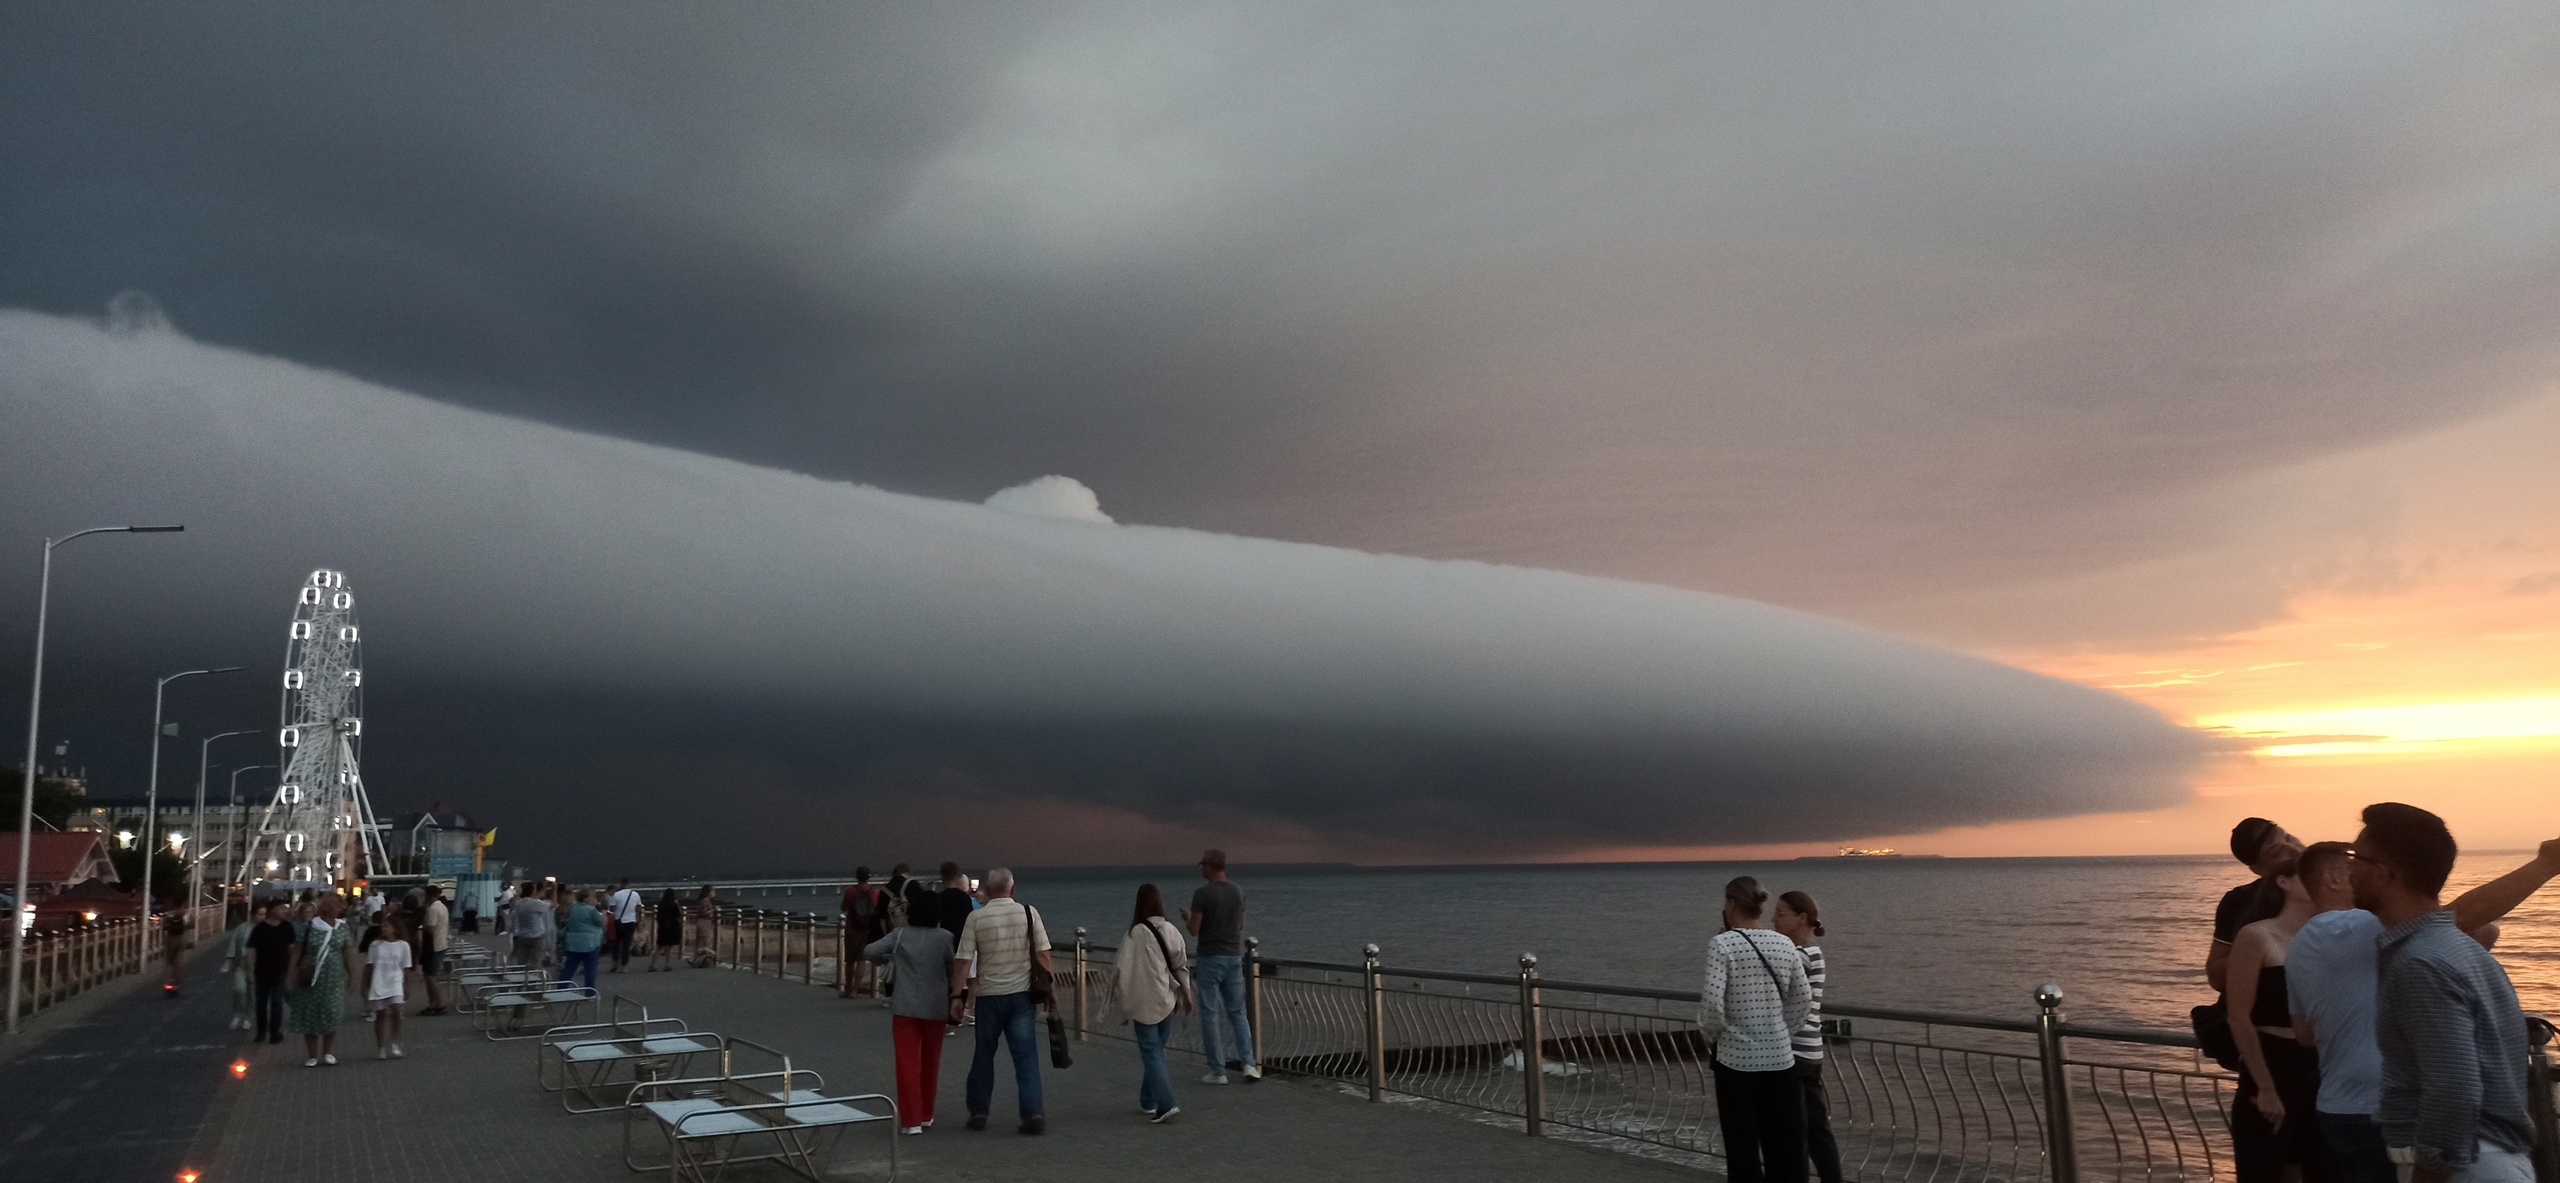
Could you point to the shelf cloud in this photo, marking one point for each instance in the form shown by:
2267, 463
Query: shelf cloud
604, 642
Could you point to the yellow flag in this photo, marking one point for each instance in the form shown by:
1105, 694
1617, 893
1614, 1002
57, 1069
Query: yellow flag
489, 837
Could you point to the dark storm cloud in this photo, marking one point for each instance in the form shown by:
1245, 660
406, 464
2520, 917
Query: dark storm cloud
1856, 308
631, 648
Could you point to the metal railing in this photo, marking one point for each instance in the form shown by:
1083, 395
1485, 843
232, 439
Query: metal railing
803, 946
65, 963
1916, 1097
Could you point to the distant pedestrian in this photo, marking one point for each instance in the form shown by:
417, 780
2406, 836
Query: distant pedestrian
1799, 919
235, 967
999, 946
581, 940
174, 928
896, 890
1216, 916
322, 973
1756, 997
434, 940
2454, 1059
624, 903
2279, 1074
670, 918
506, 904
387, 966
530, 925
1154, 987
270, 946
866, 917
919, 956
956, 900
706, 928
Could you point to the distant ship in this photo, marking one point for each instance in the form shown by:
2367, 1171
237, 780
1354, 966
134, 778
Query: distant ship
1866, 852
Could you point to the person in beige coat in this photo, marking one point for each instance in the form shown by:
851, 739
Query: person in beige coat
1155, 985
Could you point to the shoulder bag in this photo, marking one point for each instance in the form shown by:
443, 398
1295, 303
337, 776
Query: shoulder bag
310, 975
1183, 1002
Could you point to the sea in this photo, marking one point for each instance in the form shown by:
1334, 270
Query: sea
2125, 938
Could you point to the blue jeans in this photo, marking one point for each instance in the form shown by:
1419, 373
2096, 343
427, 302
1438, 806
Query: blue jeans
1155, 1086
2356, 1150
574, 964
1015, 1019
1221, 984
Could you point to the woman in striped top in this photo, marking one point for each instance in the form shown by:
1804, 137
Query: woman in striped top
1799, 919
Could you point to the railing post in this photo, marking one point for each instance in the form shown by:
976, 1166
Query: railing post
2061, 1152
1084, 1016
1533, 1052
1376, 994
1253, 996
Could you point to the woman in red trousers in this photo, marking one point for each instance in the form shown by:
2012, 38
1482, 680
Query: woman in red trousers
919, 1007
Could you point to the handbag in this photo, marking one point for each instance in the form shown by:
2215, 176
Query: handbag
1184, 1001
2212, 1023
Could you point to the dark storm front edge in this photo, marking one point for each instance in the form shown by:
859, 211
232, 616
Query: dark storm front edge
1916, 1096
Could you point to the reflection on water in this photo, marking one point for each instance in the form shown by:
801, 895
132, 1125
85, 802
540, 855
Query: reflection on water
2125, 937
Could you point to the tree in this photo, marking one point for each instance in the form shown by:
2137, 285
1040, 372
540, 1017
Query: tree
55, 802
168, 871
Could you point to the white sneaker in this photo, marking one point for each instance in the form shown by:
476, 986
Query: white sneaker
311, 1063
913, 1129
382, 1053
396, 1053
1167, 1115
331, 1059
1253, 1072
1214, 1078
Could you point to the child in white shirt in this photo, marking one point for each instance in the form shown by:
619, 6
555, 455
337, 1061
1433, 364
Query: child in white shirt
387, 966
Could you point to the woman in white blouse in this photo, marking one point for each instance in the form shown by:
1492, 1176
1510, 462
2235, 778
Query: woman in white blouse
1155, 986
1756, 996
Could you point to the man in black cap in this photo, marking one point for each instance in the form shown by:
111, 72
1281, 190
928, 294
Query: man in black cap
2264, 846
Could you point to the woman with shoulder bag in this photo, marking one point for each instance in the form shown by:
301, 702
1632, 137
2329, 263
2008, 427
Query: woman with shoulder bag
919, 1007
1756, 997
322, 970
1155, 985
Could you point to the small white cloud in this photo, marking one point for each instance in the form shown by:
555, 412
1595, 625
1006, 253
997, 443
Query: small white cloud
1053, 496
132, 313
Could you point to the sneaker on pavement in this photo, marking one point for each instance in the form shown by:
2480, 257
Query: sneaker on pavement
1214, 1078
1034, 1125
910, 1129
1253, 1072
1166, 1116
331, 1059
311, 1063
396, 1053
382, 1053
977, 1121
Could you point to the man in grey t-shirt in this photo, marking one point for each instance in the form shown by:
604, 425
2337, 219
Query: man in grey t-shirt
1216, 917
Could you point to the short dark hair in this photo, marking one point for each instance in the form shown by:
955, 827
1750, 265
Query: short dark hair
950, 873
2318, 857
2411, 841
862, 874
924, 910
2249, 838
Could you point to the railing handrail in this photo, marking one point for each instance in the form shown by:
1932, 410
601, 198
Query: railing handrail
2152, 1036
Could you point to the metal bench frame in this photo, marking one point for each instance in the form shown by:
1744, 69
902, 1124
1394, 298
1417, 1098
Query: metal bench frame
706, 1139
587, 1055
502, 1010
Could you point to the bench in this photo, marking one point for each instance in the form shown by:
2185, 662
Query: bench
713, 1123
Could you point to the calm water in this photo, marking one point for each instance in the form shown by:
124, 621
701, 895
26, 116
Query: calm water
2125, 937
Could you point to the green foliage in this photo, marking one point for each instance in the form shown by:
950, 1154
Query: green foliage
54, 800
168, 871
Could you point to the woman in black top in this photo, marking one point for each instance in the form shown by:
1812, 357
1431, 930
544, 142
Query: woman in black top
670, 932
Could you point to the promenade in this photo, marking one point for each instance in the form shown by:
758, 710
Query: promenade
135, 1087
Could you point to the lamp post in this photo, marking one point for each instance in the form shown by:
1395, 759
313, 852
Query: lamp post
27, 795
151, 806
195, 866
239, 824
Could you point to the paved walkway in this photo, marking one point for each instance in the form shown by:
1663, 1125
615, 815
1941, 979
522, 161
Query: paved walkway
460, 1109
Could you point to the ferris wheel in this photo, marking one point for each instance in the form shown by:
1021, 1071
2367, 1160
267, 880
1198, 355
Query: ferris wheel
319, 829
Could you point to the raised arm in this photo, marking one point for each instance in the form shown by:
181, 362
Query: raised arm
2490, 902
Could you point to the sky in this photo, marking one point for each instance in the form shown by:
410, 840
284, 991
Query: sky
2197, 354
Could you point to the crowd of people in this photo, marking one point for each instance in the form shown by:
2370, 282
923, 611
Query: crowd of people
292, 962
2376, 1037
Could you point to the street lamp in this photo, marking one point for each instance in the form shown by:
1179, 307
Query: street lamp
151, 805
27, 795
239, 824
195, 869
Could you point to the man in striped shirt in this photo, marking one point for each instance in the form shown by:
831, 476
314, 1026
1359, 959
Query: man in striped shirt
1002, 941
2451, 1033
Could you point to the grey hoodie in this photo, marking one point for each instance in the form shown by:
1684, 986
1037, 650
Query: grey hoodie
923, 955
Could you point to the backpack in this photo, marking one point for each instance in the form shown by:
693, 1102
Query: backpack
862, 903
